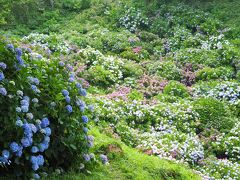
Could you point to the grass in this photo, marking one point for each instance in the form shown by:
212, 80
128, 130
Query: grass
128, 163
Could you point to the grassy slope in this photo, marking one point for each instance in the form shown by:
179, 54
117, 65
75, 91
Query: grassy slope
131, 164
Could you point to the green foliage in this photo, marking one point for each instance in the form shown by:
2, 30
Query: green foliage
224, 73
76, 5
177, 89
213, 114
131, 164
165, 69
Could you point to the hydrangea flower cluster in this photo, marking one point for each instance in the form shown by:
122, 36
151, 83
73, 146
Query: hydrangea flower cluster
229, 91
47, 43
133, 19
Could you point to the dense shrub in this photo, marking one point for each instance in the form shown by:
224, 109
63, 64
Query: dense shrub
165, 69
74, 5
224, 73
175, 88
40, 100
213, 114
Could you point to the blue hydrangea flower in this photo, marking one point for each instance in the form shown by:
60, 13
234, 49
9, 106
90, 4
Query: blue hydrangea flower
34, 88
24, 109
40, 160
68, 99
19, 152
42, 147
33, 127
26, 98
39, 56
35, 167
26, 142
3, 65
86, 157
65, 92
5, 153
20, 60
69, 67
33, 80
104, 158
85, 129
82, 92
19, 123
78, 85
91, 108
14, 147
2, 77
34, 149
18, 51
61, 63
24, 102
10, 46
47, 131
69, 108
44, 122
46, 139
85, 119
36, 81
82, 108
71, 79
27, 128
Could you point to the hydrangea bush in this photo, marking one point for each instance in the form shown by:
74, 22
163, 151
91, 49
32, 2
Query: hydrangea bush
133, 19
42, 113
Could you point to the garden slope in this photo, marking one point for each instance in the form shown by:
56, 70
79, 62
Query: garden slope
128, 163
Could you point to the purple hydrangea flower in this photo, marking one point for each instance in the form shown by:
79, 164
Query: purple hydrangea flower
104, 158
61, 63
86, 157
